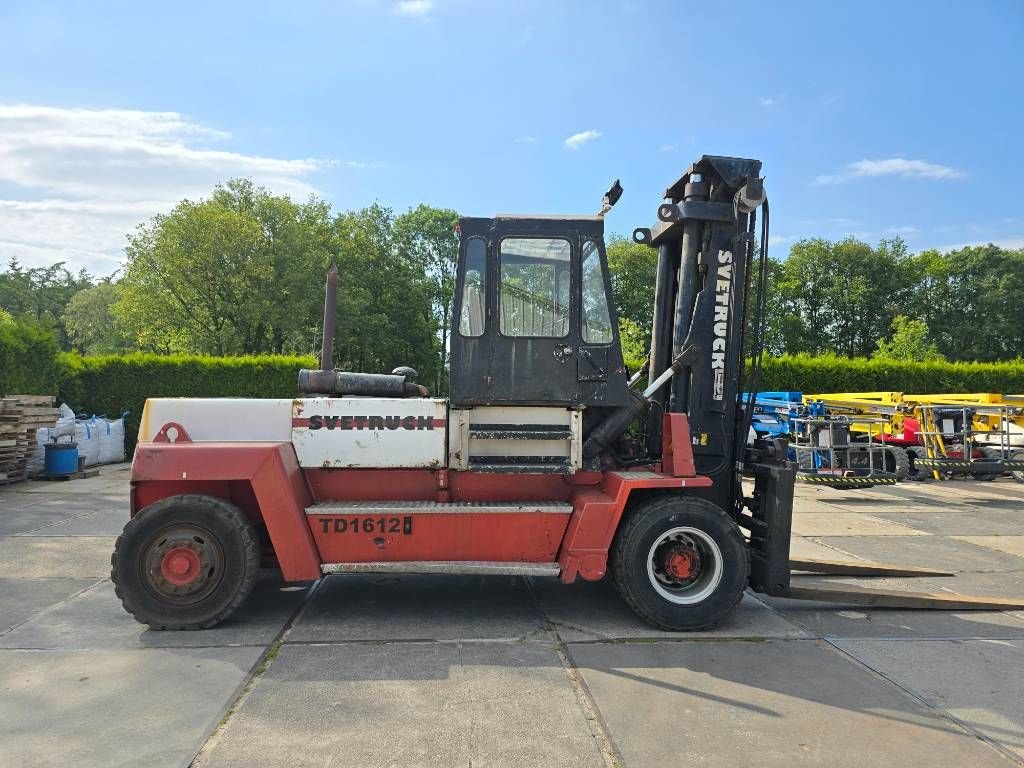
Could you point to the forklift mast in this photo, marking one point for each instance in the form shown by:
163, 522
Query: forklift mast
705, 242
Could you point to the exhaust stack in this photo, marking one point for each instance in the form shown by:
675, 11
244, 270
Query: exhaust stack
330, 305
327, 381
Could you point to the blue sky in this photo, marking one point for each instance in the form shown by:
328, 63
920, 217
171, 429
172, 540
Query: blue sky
872, 119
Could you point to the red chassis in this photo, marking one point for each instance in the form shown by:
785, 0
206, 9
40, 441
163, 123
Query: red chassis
265, 481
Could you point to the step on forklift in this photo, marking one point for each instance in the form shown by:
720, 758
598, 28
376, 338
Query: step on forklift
544, 461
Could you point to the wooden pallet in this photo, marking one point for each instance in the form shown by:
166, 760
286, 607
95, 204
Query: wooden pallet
21, 416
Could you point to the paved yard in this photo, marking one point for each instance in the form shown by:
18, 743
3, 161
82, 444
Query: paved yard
488, 671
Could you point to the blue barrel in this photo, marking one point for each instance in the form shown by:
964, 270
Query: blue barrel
60, 459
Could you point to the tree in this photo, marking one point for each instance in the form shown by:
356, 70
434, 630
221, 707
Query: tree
972, 300
633, 270
841, 297
235, 274
909, 341
90, 326
40, 294
428, 237
385, 315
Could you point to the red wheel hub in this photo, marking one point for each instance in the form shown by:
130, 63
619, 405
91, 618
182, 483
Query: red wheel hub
180, 566
681, 563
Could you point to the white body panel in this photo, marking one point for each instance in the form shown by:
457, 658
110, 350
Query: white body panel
219, 419
369, 432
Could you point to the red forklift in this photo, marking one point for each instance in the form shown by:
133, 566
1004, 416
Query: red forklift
545, 461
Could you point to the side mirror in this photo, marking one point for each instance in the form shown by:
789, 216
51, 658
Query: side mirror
611, 197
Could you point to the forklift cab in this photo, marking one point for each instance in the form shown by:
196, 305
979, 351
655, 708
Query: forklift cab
534, 321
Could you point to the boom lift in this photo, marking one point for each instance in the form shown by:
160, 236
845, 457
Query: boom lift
839, 448
544, 462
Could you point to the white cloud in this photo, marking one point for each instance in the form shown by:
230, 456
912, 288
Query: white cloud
1009, 243
836, 222
768, 102
893, 166
577, 140
527, 140
904, 230
78, 180
414, 7
774, 240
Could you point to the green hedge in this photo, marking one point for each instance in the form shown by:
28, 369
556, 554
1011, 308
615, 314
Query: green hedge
28, 364
111, 384
827, 373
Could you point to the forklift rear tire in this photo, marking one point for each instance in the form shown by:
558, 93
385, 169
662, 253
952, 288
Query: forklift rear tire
185, 562
680, 563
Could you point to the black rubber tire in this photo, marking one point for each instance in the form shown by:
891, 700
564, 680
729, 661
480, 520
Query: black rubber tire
914, 472
989, 453
1017, 474
641, 529
226, 523
900, 461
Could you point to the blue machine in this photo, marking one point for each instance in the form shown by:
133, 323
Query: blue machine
819, 441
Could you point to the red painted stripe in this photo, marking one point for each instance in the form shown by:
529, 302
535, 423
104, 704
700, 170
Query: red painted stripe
304, 422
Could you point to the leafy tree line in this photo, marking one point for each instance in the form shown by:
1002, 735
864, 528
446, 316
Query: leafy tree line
851, 299
242, 272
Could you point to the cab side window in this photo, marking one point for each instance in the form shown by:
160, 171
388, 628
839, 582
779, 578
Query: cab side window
474, 289
597, 324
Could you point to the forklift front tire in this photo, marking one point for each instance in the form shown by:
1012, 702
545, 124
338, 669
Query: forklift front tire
185, 562
680, 563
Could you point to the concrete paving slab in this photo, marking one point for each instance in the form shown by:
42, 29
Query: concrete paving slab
109, 522
26, 519
41, 556
1009, 584
96, 620
837, 620
1011, 544
805, 549
959, 522
1011, 504
110, 478
115, 708
378, 607
850, 524
87, 503
924, 552
903, 495
21, 599
594, 611
409, 704
774, 703
10, 498
980, 682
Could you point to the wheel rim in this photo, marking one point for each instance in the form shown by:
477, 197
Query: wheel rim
182, 564
684, 565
